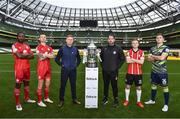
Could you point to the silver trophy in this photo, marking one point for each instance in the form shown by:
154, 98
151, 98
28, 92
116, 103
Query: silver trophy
90, 55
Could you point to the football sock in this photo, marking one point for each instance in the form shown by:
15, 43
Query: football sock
46, 92
39, 95
166, 95
166, 98
127, 92
26, 93
153, 94
16, 95
138, 93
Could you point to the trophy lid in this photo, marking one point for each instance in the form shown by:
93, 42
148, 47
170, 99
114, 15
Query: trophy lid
91, 45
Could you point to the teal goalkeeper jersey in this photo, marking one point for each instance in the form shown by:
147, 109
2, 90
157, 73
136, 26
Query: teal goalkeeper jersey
159, 66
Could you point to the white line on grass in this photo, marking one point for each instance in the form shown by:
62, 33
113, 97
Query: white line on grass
6, 63
80, 72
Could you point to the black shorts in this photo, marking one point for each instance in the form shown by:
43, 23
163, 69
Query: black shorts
137, 79
159, 79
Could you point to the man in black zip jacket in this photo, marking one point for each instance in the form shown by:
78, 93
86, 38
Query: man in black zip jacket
112, 59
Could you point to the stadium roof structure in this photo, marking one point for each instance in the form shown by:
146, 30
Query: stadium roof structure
140, 14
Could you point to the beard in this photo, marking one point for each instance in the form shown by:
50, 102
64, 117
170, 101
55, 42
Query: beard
20, 41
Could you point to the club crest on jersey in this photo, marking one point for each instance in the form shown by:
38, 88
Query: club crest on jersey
114, 52
167, 50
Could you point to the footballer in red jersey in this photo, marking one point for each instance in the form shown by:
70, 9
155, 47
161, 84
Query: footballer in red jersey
44, 53
135, 60
22, 54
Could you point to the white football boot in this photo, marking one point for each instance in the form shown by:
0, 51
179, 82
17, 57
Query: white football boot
19, 107
150, 102
48, 100
165, 108
30, 101
41, 104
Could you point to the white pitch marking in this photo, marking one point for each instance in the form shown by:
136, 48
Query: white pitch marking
10, 71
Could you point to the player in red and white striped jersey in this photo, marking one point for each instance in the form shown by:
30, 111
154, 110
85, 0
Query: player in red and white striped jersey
135, 60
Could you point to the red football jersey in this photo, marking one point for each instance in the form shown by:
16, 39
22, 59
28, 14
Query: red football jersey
135, 68
21, 48
44, 49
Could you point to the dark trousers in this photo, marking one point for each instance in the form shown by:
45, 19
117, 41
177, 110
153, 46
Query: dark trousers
110, 77
65, 75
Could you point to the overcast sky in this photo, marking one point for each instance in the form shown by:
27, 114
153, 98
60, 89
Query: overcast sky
88, 3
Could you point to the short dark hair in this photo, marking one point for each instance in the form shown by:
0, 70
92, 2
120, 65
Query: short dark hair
111, 35
42, 33
20, 33
70, 35
160, 34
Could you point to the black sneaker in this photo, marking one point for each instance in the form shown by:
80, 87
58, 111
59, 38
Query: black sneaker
115, 103
61, 104
76, 102
104, 101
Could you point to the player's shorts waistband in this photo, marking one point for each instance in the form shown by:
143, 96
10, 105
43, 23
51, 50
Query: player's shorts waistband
159, 73
135, 74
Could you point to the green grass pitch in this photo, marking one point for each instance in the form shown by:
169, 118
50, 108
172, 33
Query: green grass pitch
7, 101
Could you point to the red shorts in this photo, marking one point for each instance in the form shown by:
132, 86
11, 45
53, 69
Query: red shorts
22, 75
44, 73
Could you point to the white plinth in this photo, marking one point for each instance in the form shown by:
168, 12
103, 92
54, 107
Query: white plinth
91, 88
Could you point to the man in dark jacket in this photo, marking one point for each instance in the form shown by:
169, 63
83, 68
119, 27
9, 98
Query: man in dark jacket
68, 58
112, 59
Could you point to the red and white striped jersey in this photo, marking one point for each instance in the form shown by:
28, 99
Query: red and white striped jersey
135, 68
